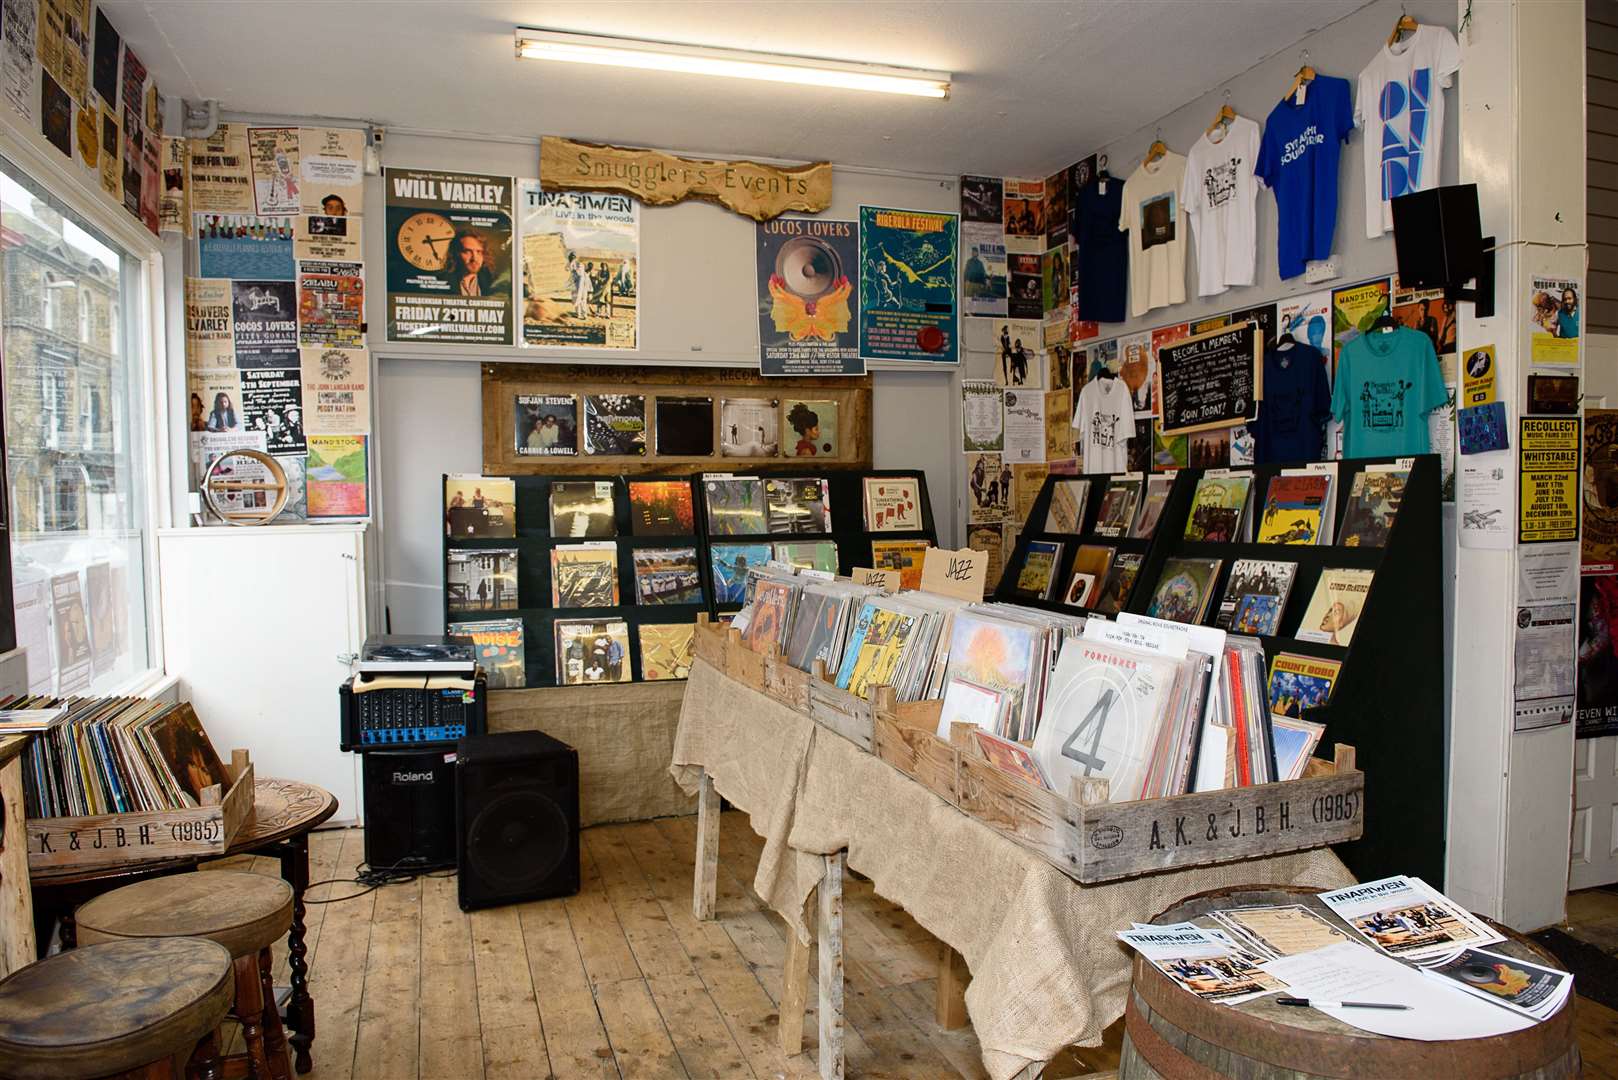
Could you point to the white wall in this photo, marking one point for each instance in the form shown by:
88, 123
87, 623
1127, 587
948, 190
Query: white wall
697, 295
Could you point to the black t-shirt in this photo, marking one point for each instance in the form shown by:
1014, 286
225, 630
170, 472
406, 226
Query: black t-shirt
1291, 424
1103, 252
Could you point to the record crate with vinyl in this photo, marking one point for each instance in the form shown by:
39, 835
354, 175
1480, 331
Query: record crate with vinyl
575, 580
1333, 568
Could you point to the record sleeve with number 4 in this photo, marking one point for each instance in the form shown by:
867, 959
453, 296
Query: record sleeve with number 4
1101, 716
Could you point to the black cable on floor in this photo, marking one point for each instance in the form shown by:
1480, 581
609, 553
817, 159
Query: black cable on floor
374, 878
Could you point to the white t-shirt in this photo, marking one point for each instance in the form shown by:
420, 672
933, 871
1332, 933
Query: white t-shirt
1152, 214
1105, 418
1219, 197
1400, 108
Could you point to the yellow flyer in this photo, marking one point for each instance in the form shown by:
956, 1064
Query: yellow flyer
1554, 318
1548, 507
1478, 378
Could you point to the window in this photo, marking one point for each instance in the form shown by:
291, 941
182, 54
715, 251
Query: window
75, 438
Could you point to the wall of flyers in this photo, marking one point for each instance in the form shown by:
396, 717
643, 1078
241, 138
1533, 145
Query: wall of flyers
274, 312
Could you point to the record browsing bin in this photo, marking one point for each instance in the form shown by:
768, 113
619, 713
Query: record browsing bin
138, 836
1080, 833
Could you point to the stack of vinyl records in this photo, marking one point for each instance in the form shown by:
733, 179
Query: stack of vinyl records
772, 604
116, 755
820, 628
1172, 765
895, 641
999, 665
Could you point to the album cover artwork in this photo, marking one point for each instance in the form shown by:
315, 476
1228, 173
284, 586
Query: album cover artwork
798, 505
667, 576
582, 508
735, 505
660, 508
547, 425
684, 426
749, 427
615, 424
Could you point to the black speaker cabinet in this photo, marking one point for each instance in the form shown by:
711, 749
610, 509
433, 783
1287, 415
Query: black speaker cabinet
516, 818
409, 809
1438, 236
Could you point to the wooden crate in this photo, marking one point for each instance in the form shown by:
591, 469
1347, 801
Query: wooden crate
1092, 840
111, 839
709, 640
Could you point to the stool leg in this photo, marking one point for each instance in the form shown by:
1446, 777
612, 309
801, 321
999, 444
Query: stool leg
205, 1059
275, 1036
249, 1010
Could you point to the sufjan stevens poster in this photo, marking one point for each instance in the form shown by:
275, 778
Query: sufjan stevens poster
449, 257
908, 271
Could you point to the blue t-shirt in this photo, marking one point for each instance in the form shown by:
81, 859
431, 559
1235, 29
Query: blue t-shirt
1298, 161
1103, 252
1291, 424
1387, 383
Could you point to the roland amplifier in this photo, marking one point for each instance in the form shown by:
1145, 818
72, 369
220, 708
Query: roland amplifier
409, 809
516, 818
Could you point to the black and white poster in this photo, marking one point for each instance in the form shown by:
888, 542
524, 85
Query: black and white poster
264, 317
272, 399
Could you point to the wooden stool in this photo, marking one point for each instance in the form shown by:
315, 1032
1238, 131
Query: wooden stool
246, 913
122, 1009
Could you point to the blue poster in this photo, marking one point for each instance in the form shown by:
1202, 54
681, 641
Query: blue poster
241, 246
907, 285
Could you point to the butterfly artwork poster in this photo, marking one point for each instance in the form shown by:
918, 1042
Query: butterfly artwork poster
808, 303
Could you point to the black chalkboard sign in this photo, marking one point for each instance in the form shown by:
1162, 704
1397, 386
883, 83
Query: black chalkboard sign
1211, 380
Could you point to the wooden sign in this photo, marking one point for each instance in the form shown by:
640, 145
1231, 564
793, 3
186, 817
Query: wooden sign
960, 574
886, 580
760, 192
1212, 380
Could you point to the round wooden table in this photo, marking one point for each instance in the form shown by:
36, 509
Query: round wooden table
285, 812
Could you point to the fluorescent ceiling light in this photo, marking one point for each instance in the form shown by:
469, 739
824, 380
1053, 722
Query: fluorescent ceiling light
534, 44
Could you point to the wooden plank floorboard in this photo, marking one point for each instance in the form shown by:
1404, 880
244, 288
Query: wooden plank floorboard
622, 981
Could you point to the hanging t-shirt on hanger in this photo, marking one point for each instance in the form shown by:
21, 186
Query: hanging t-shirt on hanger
1387, 383
1155, 221
1105, 417
1291, 423
1103, 250
1219, 196
1400, 106
1298, 161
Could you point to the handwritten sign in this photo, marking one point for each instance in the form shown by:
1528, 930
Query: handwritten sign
961, 574
886, 580
1212, 380
760, 192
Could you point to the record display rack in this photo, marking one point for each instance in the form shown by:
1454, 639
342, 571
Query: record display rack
534, 542
846, 492
1170, 522
1388, 699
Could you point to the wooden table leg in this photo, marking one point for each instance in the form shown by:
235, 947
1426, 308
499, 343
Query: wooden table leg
705, 886
950, 1004
794, 994
300, 1014
830, 973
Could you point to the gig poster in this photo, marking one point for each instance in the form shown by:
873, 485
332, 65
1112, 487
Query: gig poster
1599, 537
1354, 310
336, 391
806, 301
580, 268
209, 338
331, 303
908, 271
449, 258
1597, 702
265, 324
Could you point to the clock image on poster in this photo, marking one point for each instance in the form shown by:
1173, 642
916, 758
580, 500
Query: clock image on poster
424, 240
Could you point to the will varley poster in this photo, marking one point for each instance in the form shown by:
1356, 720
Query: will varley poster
209, 340
806, 301
449, 257
266, 324
580, 268
331, 303
908, 268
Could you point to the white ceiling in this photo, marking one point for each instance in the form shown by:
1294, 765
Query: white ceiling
1037, 83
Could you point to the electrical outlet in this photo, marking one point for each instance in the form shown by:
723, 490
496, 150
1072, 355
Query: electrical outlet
1322, 270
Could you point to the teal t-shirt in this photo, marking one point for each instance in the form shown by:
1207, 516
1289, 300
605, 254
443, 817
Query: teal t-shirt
1387, 383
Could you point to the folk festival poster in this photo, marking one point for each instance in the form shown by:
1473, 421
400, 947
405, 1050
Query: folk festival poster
449, 257
580, 268
907, 285
806, 301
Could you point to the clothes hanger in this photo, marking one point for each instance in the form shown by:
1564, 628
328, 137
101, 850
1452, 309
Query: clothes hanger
1226, 117
1157, 150
1405, 25
1386, 324
1305, 75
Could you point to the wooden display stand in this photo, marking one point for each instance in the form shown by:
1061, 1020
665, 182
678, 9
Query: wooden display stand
119, 839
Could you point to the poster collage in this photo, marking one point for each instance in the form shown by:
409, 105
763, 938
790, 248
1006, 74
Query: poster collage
1020, 286
276, 359
76, 81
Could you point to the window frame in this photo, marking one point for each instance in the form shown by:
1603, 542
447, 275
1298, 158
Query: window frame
142, 291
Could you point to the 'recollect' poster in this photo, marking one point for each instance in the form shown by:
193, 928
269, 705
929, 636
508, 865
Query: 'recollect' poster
580, 268
807, 307
449, 257
907, 285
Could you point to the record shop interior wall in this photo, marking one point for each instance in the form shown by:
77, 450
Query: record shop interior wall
697, 287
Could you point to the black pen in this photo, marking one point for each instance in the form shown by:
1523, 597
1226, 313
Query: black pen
1304, 1003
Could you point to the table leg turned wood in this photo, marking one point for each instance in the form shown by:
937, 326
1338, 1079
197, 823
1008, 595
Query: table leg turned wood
950, 1005
275, 1039
830, 973
794, 994
300, 1014
705, 886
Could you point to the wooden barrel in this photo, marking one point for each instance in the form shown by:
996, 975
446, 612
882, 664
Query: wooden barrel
1170, 1034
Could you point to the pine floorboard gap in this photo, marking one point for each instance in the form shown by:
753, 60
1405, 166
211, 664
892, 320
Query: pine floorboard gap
621, 982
